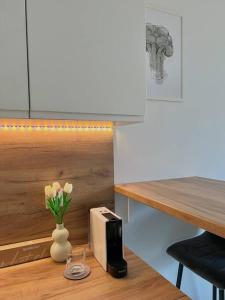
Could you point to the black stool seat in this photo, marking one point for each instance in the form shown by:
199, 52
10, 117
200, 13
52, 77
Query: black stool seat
204, 255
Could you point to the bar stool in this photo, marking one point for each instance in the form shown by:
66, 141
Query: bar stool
205, 256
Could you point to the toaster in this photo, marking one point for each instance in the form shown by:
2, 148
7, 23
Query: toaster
106, 241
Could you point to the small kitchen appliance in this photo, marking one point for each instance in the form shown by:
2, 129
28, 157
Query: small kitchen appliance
106, 241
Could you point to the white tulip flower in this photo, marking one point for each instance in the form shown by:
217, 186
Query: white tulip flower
60, 194
56, 185
48, 191
54, 191
68, 188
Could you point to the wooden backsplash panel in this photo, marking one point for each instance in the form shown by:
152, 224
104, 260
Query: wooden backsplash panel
31, 160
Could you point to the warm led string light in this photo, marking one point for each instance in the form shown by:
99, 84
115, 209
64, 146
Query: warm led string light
60, 126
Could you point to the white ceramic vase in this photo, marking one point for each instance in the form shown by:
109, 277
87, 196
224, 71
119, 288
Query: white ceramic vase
61, 247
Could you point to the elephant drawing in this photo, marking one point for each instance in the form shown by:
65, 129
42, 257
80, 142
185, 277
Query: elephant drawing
159, 45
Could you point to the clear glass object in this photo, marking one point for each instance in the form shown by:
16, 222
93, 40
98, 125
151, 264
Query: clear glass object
76, 267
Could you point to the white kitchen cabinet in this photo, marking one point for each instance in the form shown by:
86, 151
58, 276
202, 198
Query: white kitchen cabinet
13, 60
87, 58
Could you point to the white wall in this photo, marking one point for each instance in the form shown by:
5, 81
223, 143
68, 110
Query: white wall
179, 139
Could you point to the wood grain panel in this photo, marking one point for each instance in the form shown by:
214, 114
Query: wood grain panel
196, 200
31, 160
43, 279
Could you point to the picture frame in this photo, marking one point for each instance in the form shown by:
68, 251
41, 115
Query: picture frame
164, 64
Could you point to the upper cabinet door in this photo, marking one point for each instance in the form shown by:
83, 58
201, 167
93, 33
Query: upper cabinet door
13, 62
87, 56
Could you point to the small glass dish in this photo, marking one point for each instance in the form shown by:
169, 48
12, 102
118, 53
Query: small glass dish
76, 267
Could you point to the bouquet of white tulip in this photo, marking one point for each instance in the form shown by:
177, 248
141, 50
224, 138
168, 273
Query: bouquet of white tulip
57, 200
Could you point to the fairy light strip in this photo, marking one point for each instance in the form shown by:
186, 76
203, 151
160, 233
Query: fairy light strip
29, 127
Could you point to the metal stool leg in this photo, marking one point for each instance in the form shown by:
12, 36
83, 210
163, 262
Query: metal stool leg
179, 275
221, 294
214, 292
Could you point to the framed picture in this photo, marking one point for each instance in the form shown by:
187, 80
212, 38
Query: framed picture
163, 55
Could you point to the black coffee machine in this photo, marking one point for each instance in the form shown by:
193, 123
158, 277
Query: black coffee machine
106, 241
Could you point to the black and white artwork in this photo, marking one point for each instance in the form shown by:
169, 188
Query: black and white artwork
163, 55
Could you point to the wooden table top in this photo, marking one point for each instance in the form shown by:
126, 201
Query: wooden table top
196, 200
44, 279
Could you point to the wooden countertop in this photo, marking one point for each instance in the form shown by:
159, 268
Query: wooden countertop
196, 200
44, 279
